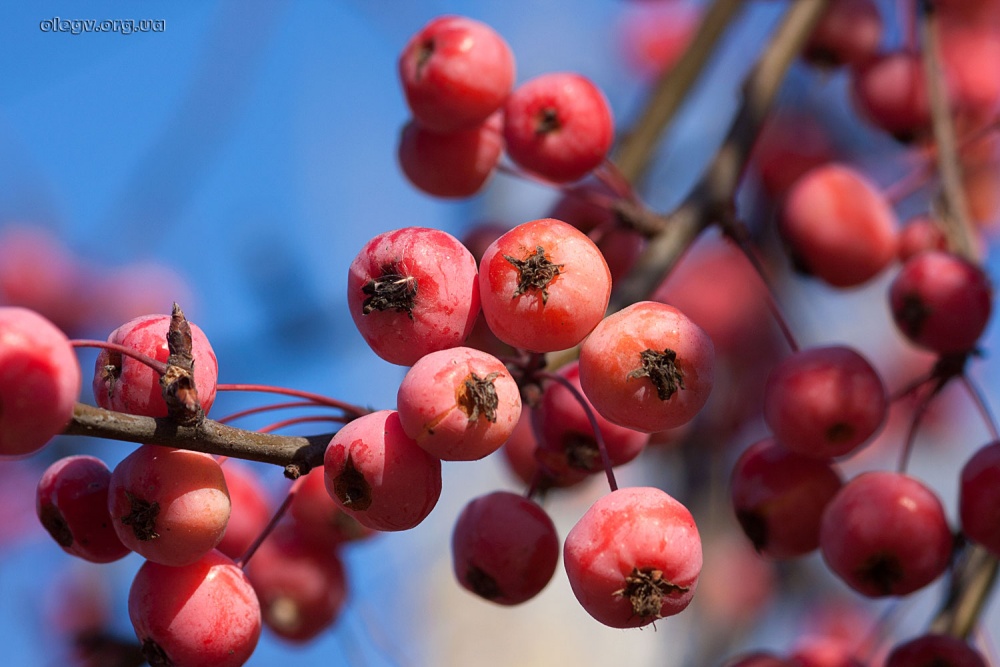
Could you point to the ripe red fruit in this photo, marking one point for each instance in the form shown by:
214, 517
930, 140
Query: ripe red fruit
647, 367
455, 72
39, 381
450, 164
825, 401
126, 385
458, 404
891, 92
204, 614
413, 291
885, 533
379, 475
544, 286
320, 518
566, 440
935, 651
838, 226
251, 509
848, 33
169, 505
504, 548
941, 302
522, 456
779, 498
653, 36
300, 583
979, 497
633, 557
558, 126
72, 504
919, 234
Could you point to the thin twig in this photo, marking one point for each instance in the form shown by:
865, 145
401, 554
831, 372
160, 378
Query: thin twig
298, 454
636, 150
955, 214
712, 198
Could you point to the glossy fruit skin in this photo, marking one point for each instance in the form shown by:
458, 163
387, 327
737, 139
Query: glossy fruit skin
504, 548
825, 402
885, 533
455, 72
561, 314
450, 164
126, 385
941, 302
379, 475
204, 614
442, 273
438, 407
838, 226
320, 518
637, 528
72, 504
191, 501
611, 358
558, 126
935, 651
39, 381
979, 497
779, 498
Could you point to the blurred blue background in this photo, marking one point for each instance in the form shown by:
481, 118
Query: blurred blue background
250, 146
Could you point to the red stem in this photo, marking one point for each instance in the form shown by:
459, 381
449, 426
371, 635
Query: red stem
592, 418
159, 366
319, 399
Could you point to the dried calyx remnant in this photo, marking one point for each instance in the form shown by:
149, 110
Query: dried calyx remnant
177, 383
478, 397
141, 517
351, 487
392, 290
534, 272
662, 370
646, 589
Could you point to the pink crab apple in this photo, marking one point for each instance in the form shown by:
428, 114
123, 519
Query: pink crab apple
450, 164
39, 381
633, 557
779, 498
890, 91
935, 650
320, 518
558, 126
204, 614
567, 442
504, 548
72, 504
848, 33
381, 476
647, 367
300, 583
251, 508
885, 533
458, 404
124, 384
838, 225
169, 505
455, 72
979, 497
544, 286
941, 301
413, 291
825, 401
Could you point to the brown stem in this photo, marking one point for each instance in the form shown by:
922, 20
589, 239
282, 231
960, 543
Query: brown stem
712, 198
972, 582
297, 454
954, 213
636, 150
